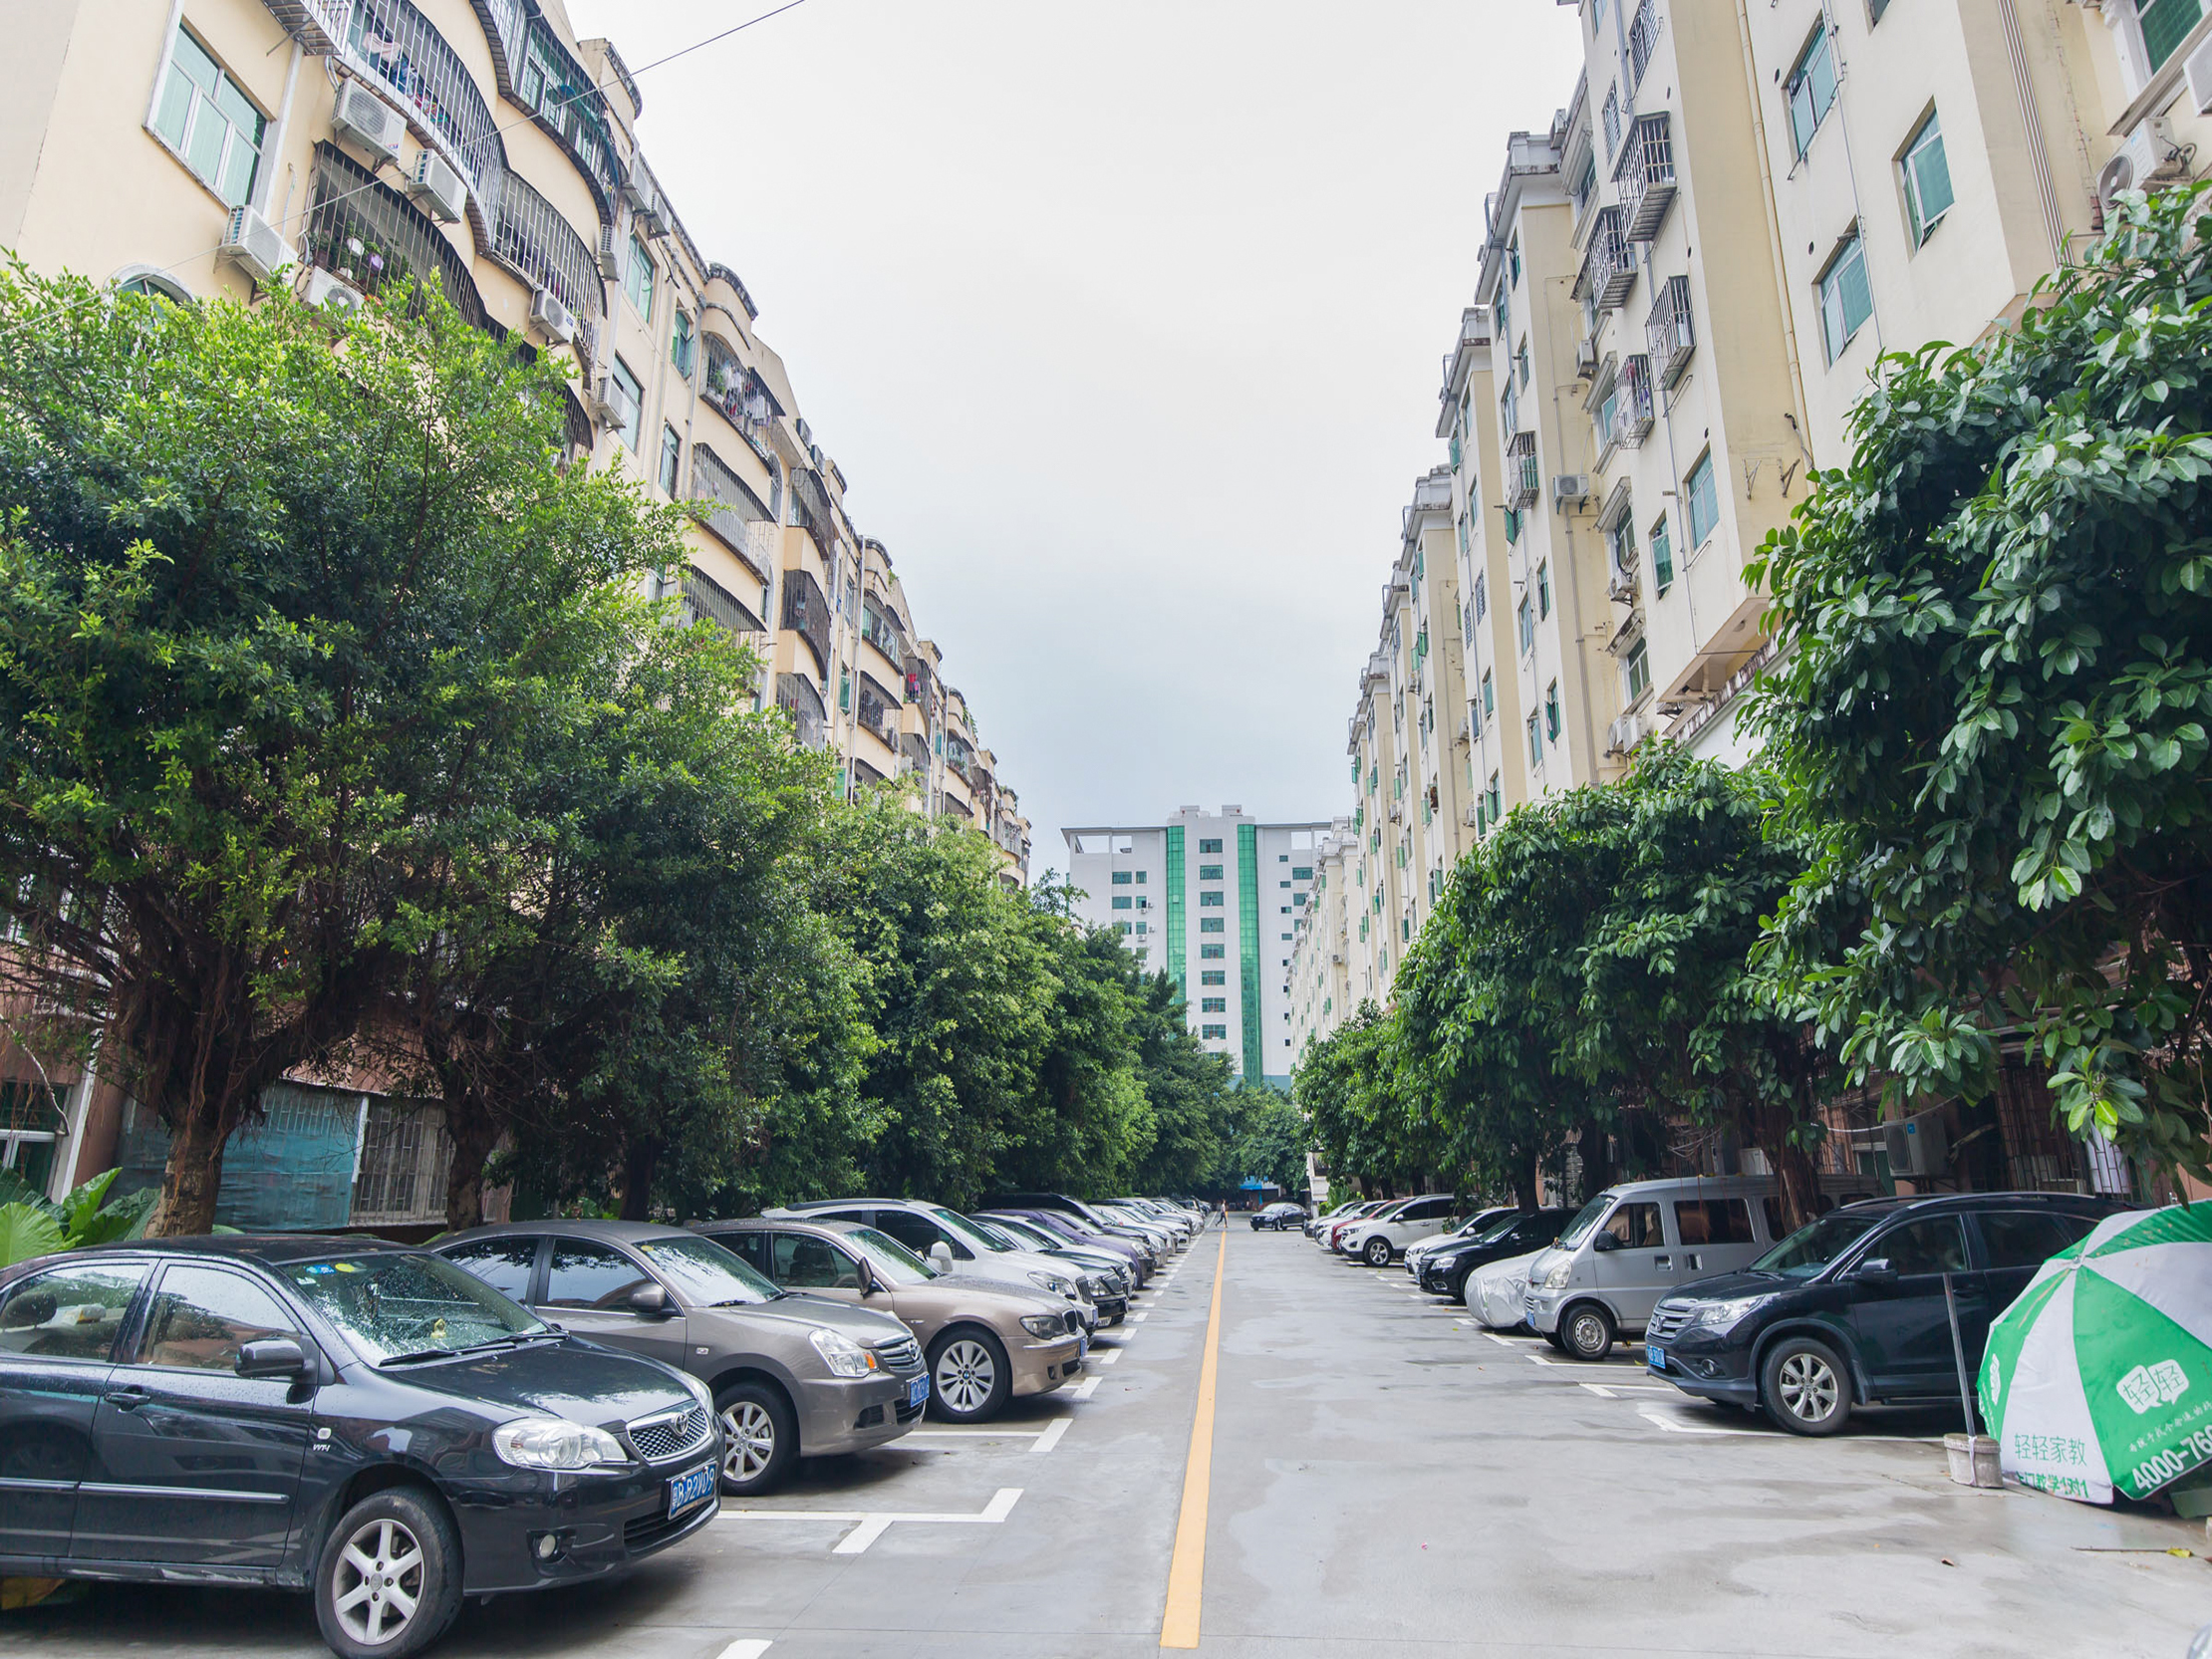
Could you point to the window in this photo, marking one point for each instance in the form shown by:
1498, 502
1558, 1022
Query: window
1705, 504
203, 1316
1513, 526
1122, 901
1528, 626
591, 1276
1217, 1033
1662, 555
1584, 187
209, 121
1927, 178
1505, 322
2022, 1239
1213, 977
1482, 598
1496, 796
636, 277
672, 458
629, 384
95, 1297
800, 1261
1636, 1226
1543, 589
1810, 88
1210, 901
1933, 1246
1140, 878
1210, 871
1121, 926
1535, 743
1301, 872
1610, 119
503, 1264
1214, 1005
1520, 365
1551, 711
1283, 883
1212, 924
683, 345
1210, 846
1122, 877
1141, 927
1490, 696
1638, 671
1212, 952
1846, 299
1712, 1221
2166, 25
1512, 261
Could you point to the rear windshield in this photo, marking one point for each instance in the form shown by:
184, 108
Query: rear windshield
1811, 1248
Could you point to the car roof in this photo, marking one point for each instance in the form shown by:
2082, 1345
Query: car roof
592, 1226
878, 1203
1894, 1203
264, 1248
760, 1224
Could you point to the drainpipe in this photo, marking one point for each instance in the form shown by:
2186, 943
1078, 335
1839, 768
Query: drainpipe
1774, 221
274, 144
2031, 120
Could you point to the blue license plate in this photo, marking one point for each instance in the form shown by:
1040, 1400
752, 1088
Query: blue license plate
1654, 1359
690, 1489
1082, 1343
918, 1390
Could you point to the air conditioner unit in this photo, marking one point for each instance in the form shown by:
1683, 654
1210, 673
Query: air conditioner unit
1586, 359
617, 406
2198, 72
1569, 486
367, 123
438, 186
252, 244
610, 253
2147, 157
1622, 588
551, 318
331, 293
806, 433
1918, 1146
1622, 736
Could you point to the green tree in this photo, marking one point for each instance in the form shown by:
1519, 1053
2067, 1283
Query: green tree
1188, 1088
1270, 1141
278, 615
1369, 1118
1990, 710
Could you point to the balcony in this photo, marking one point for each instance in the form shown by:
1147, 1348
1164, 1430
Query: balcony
740, 396
1523, 472
1668, 331
806, 613
732, 508
796, 696
530, 238
368, 234
1644, 177
1609, 265
416, 68
810, 512
707, 600
1632, 402
1643, 40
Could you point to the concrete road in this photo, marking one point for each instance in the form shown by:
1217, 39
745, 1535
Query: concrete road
1385, 1479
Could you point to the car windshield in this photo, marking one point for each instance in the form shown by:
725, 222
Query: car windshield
1496, 1230
395, 1306
967, 1232
705, 1274
1811, 1248
1003, 1236
892, 1263
1586, 1222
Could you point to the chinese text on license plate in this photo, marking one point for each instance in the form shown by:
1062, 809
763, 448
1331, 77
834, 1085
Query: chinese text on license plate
1654, 1359
693, 1486
918, 1390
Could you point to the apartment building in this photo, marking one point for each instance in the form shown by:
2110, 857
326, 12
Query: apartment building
1211, 899
216, 146
1323, 989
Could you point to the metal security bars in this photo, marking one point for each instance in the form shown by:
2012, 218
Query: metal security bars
707, 600
368, 234
1523, 472
806, 613
1643, 40
1669, 330
406, 1160
1632, 413
1609, 267
796, 696
398, 47
532, 238
736, 511
1645, 176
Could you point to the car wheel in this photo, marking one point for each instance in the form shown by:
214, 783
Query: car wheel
1378, 1253
1555, 1338
1805, 1387
760, 1438
390, 1579
970, 1380
1586, 1331
1459, 1288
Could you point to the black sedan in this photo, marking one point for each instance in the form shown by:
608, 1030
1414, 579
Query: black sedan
358, 1420
1445, 1267
1850, 1310
1277, 1217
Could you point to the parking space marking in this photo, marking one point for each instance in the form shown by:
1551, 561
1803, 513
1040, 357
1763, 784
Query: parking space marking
1501, 1341
1662, 1420
746, 1647
873, 1524
1086, 1388
1140, 1319
1601, 1391
1107, 1356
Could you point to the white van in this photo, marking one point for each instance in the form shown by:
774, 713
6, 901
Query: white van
1642, 1240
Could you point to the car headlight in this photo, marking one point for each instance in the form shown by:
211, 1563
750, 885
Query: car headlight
1556, 1278
1724, 1316
700, 1391
1044, 1324
555, 1443
844, 1356
1051, 1282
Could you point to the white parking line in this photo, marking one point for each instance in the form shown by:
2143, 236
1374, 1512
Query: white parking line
1501, 1341
1673, 1427
1107, 1356
1601, 1391
1085, 1389
873, 1524
1140, 1319
1051, 1435
746, 1647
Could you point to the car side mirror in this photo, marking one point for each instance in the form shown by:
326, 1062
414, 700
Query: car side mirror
1605, 1242
941, 1256
869, 1284
272, 1356
651, 1300
1876, 1268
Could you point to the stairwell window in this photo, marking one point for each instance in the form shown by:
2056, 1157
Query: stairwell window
207, 117
1662, 555
1927, 180
1122, 901
636, 277
1497, 794
1528, 626
1638, 671
1482, 598
1212, 952
1213, 1005
1810, 88
1703, 499
1543, 589
683, 345
1213, 977
1845, 299
1551, 711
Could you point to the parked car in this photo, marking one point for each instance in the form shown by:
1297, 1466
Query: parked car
1076, 1230
985, 1343
1444, 1269
1328, 1236
1174, 1216
1164, 1237
1480, 1221
1275, 1218
949, 1242
1849, 1312
1634, 1243
1110, 1277
790, 1377
1322, 1220
358, 1420
1497, 1295
1382, 1237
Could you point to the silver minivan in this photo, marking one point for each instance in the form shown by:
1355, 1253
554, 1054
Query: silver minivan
1642, 1240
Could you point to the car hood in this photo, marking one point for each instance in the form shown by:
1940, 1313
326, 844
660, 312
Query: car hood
1033, 1299
1014, 1267
569, 1378
1469, 1250
797, 1314
1724, 1286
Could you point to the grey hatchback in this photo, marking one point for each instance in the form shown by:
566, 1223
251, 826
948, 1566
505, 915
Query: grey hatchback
792, 1375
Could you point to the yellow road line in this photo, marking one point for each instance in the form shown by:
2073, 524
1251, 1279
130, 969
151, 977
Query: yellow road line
1186, 1569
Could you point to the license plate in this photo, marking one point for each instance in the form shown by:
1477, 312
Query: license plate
1654, 1359
690, 1489
918, 1390
1082, 1344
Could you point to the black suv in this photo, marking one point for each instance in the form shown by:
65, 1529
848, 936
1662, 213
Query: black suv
355, 1419
1849, 1312
1445, 1267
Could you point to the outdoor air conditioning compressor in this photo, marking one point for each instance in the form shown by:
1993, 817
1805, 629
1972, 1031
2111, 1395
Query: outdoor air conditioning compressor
1918, 1146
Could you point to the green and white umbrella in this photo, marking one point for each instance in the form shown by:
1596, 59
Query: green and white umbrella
2099, 1377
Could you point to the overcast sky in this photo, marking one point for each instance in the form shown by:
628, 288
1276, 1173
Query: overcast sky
1124, 323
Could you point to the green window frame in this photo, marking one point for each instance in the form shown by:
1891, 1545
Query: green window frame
1926, 176
1248, 945
684, 343
1210, 871
1301, 872
632, 434
1212, 924
1535, 743
1208, 844
1662, 555
1213, 1005
1176, 922
1703, 499
2166, 25
1212, 900
1121, 877
672, 458
1543, 589
1528, 625
1213, 1033
1551, 711
1213, 977
1122, 901
636, 277
1213, 953
208, 121
1490, 696
1638, 669
1810, 89
1846, 299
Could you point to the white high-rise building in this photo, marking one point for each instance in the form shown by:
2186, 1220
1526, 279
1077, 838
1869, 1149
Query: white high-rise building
1213, 899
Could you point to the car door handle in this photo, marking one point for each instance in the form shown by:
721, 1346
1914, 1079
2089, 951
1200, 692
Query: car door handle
1662, 1262
127, 1399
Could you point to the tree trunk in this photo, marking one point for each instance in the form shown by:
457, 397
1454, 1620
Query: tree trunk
1800, 1183
1526, 1194
1597, 1163
191, 1177
475, 1130
638, 1161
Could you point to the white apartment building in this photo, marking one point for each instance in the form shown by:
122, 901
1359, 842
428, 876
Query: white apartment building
1211, 899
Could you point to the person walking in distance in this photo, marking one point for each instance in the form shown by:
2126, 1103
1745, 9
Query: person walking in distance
1220, 1212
